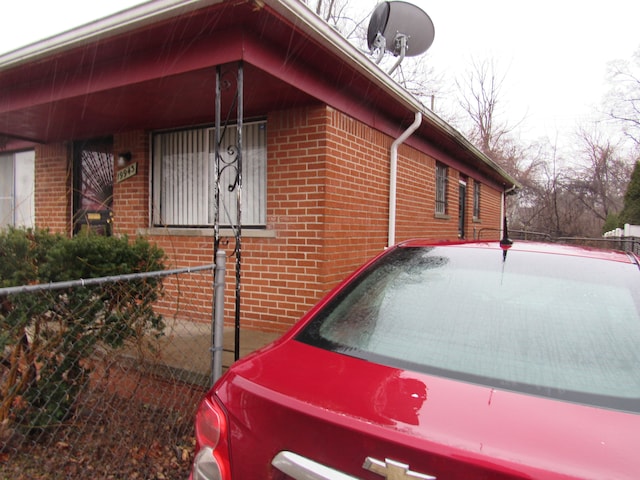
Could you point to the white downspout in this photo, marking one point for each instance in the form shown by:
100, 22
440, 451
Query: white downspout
393, 176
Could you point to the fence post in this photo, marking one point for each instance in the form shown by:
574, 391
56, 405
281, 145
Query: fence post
217, 330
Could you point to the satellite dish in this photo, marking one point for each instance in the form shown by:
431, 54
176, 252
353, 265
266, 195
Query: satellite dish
400, 28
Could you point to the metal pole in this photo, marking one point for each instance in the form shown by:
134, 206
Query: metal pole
217, 334
219, 256
216, 156
240, 107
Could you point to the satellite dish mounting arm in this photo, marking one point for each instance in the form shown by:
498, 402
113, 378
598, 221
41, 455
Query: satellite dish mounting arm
400, 50
379, 44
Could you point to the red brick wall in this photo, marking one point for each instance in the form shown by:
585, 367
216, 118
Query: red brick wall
416, 202
357, 187
490, 222
53, 187
327, 213
131, 196
186, 296
416, 199
281, 273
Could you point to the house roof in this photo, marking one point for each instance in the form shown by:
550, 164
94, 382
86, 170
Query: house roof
153, 66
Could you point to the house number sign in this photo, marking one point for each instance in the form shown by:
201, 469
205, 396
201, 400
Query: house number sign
127, 172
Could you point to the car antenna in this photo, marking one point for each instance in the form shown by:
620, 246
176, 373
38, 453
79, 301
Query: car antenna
505, 241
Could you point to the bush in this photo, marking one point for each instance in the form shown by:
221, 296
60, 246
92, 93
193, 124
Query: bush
631, 210
611, 223
47, 337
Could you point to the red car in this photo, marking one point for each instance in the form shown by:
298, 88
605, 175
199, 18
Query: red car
448, 361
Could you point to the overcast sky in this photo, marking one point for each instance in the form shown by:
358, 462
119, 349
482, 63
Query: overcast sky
554, 53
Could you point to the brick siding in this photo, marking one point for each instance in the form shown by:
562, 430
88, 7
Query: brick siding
53, 187
131, 196
327, 209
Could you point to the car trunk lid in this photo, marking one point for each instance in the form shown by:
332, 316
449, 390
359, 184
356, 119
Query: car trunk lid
348, 414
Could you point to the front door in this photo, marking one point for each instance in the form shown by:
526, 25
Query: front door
93, 186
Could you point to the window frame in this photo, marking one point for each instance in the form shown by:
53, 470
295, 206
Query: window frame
254, 177
477, 195
441, 193
21, 183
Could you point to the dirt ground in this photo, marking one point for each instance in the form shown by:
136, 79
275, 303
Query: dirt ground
111, 437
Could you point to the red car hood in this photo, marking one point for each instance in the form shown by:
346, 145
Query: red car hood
338, 410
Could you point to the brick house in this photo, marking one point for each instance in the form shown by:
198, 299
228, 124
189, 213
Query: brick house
338, 160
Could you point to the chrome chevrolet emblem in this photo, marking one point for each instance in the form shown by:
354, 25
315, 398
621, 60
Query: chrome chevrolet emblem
392, 470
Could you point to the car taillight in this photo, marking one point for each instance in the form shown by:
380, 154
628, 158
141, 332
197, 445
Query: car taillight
211, 461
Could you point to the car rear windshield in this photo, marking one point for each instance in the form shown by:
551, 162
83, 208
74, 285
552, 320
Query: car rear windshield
561, 326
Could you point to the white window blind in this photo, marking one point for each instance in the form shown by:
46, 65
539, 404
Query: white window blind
184, 177
17, 181
476, 200
6, 190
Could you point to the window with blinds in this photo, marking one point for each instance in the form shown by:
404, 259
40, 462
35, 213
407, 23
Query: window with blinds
441, 188
6, 189
184, 176
17, 184
476, 200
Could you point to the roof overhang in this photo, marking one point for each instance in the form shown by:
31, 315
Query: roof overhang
153, 66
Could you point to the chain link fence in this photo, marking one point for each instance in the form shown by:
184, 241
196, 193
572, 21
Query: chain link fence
627, 244
101, 378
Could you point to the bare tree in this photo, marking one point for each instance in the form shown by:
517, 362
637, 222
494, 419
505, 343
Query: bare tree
328, 10
564, 202
554, 200
623, 100
343, 16
554, 210
527, 165
542, 201
420, 79
480, 93
551, 200
480, 97
600, 181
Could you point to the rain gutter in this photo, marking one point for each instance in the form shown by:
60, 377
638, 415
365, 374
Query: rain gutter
294, 11
302, 17
393, 175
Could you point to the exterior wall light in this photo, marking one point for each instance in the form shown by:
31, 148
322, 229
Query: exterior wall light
124, 158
